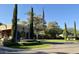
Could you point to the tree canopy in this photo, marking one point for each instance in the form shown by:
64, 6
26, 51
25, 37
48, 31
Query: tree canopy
53, 29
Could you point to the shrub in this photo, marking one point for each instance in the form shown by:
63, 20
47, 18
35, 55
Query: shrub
10, 43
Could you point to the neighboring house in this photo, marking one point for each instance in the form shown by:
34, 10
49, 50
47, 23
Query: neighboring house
5, 30
70, 36
61, 35
78, 35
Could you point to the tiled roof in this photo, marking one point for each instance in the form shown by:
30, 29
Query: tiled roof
4, 27
9, 26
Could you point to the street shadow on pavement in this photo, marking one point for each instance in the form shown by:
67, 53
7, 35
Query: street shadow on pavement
76, 53
60, 53
40, 52
6, 51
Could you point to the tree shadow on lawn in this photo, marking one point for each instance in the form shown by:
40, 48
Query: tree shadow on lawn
31, 44
58, 42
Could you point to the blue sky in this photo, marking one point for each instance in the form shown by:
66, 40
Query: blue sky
53, 12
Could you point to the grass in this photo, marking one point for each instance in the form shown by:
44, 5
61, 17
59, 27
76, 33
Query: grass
62, 40
55, 40
32, 47
29, 45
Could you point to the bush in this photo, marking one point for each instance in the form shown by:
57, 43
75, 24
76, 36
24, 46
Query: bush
10, 43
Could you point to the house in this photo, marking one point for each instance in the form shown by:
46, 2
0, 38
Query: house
69, 37
5, 30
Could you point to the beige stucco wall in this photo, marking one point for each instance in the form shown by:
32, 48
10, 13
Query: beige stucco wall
20, 27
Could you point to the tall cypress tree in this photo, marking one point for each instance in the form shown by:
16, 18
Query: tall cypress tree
43, 17
43, 20
65, 32
14, 25
75, 30
31, 24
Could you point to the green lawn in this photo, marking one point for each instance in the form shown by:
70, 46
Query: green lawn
33, 45
30, 45
58, 40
